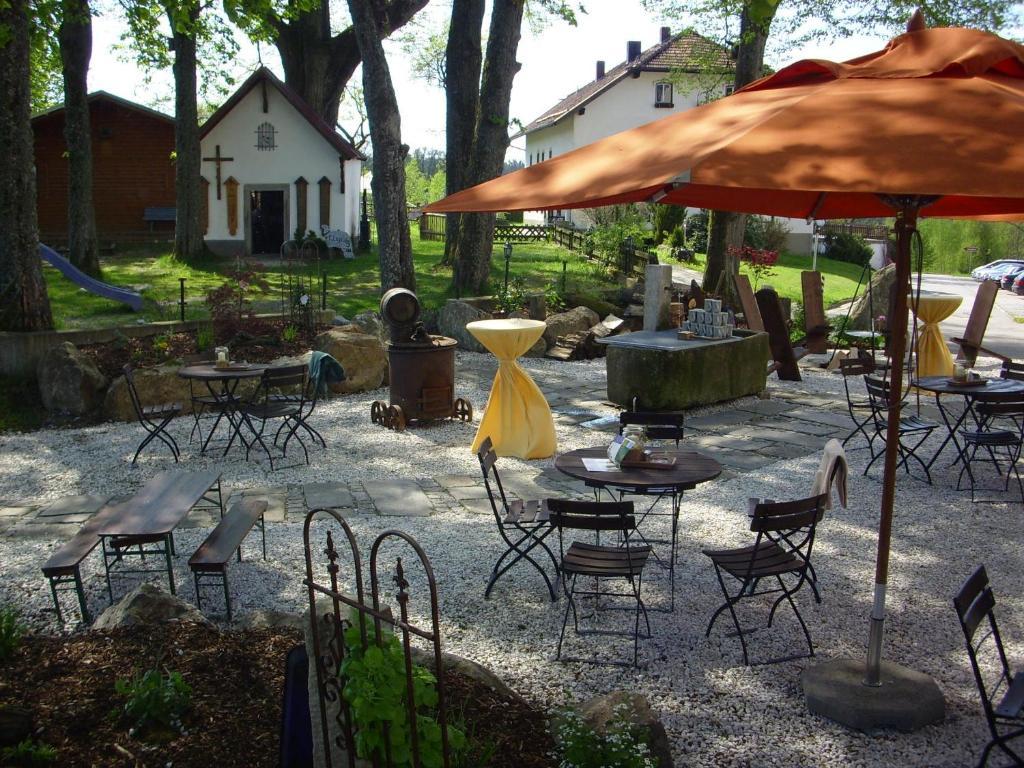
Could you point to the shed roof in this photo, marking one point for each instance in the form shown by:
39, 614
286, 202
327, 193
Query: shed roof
109, 97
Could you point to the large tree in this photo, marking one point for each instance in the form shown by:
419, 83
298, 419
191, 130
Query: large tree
389, 153
24, 304
318, 63
75, 35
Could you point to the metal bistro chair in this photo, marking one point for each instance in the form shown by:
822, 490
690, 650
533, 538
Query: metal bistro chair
785, 537
306, 402
523, 525
850, 368
911, 427
992, 406
1002, 698
153, 418
265, 407
202, 403
599, 562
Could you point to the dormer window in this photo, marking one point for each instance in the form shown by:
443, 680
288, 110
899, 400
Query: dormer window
663, 94
265, 138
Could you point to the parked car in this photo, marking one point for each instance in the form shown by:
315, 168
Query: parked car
1010, 277
997, 272
977, 272
987, 271
1018, 285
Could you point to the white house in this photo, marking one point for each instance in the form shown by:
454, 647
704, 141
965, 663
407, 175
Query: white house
679, 73
273, 167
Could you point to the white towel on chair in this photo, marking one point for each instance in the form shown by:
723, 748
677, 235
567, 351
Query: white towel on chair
832, 472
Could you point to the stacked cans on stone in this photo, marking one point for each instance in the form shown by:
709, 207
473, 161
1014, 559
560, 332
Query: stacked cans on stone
711, 322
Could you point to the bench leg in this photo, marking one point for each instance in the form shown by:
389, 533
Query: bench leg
263, 527
167, 556
80, 589
199, 599
227, 593
106, 569
56, 600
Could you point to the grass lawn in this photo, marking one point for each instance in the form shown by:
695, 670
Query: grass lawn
353, 286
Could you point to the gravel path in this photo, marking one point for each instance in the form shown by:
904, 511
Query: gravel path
718, 712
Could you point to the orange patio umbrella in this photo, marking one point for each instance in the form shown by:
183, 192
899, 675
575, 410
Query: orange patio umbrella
929, 126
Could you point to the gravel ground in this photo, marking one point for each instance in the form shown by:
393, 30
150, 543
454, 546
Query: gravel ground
718, 712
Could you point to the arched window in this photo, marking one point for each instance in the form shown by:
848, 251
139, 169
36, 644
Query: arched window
663, 94
265, 138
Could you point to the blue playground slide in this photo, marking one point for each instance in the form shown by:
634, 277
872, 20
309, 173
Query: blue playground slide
91, 284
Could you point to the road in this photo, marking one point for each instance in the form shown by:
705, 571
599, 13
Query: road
1003, 335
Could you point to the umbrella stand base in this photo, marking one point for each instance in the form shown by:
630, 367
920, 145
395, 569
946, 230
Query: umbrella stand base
905, 701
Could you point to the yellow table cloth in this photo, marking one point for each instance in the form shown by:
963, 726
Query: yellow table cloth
933, 357
517, 418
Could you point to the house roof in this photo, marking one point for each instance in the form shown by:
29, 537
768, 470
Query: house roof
104, 96
263, 74
685, 52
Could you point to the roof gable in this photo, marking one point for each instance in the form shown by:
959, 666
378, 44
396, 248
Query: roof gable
263, 74
97, 96
686, 52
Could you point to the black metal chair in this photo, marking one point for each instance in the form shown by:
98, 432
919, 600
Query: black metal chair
265, 407
912, 433
993, 408
859, 407
1002, 698
153, 418
785, 537
523, 525
599, 562
202, 403
307, 401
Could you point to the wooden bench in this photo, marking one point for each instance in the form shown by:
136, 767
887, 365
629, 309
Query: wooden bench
155, 214
64, 565
210, 562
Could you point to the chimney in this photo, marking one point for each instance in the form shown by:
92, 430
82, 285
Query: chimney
666, 34
632, 50
600, 70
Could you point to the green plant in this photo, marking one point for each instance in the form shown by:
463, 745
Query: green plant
154, 700
11, 632
843, 246
28, 754
162, 343
204, 338
697, 231
376, 691
766, 233
621, 745
554, 298
512, 298
290, 333
760, 263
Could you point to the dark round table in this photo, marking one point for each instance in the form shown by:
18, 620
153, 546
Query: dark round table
942, 385
221, 384
690, 470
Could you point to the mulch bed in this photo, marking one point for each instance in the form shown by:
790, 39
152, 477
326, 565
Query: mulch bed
237, 679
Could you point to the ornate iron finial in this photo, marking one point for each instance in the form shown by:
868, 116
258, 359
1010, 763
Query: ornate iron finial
401, 582
332, 555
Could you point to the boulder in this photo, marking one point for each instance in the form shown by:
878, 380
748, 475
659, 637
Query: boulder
148, 605
267, 618
371, 323
466, 668
361, 354
69, 382
455, 314
156, 386
881, 286
538, 349
576, 320
599, 711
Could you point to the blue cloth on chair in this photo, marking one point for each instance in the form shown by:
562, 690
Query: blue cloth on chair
324, 370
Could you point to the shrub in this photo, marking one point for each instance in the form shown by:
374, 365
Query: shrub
697, 228
668, 219
204, 339
28, 754
760, 263
231, 305
512, 298
11, 632
847, 247
154, 700
621, 746
766, 233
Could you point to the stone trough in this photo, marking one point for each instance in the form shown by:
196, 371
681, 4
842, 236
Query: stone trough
664, 372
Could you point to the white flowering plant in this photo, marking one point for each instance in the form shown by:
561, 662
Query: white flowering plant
620, 745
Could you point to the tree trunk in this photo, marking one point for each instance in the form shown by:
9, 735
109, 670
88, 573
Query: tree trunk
725, 227
476, 231
75, 52
318, 65
188, 227
388, 184
24, 305
463, 60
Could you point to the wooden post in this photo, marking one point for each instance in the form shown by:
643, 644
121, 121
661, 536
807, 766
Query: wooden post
325, 201
204, 209
301, 199
231, 185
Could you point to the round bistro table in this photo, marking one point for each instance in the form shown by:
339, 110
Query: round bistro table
221, 384
690, 470
517, 418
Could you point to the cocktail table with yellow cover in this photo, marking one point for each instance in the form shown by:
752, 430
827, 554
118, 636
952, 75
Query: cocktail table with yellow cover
517, 419
933, 357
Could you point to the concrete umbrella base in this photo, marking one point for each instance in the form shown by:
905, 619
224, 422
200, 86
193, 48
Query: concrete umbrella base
906, 700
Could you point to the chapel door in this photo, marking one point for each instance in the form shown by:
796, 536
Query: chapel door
266, 208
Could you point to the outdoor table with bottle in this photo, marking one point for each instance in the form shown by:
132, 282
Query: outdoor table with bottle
222, 378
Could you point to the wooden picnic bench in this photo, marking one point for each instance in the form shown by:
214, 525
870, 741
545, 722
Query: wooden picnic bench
210, 561
149, 517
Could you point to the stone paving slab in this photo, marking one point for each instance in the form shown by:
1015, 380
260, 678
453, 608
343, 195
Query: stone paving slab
15, 511
398, 498
73, 505
767, 407
718, 421
743, 460
805, 427
457, 481
818, 416
785, 450
327, 495
780, 435
478, 491
477, 506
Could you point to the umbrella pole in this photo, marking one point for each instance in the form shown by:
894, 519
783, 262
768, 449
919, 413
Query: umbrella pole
906, 223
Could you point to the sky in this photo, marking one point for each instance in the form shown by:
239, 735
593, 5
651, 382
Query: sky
556, 60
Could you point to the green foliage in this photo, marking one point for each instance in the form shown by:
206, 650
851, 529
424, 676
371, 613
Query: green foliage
513, 298
11, 632
21, 408
162, 343
697, 228
852, 249
154, 700
765, 233
204, 339
28, 754
613, 225
376, 691
621, 745
945, 242
290, 334
230, 305
667, 219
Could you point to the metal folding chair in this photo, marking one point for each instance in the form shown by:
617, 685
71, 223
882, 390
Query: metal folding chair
850, 368
523, 525
265, 406
1002, 698
153, 418
782, 550
994, 408
202, 403
914, 429
600, 562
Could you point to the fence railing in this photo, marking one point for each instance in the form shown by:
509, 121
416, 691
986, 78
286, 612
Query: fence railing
433, 226
874, 231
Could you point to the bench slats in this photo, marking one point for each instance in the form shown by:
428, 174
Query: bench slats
216, 550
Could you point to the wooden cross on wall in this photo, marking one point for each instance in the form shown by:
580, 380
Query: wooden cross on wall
218, 160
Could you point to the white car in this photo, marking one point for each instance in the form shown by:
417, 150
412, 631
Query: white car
996, 269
